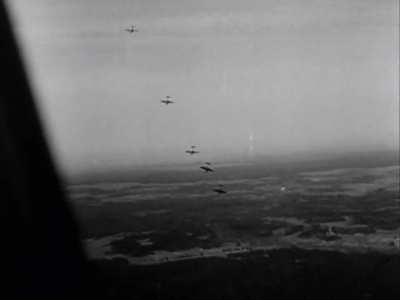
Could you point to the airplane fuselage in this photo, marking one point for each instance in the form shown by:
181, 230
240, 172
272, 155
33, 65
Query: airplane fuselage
191, 152
218, 191
206, 169
166, 102
131, 30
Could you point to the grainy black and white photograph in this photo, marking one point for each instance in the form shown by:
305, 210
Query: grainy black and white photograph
201, 149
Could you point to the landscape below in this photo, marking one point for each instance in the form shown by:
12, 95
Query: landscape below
276, 235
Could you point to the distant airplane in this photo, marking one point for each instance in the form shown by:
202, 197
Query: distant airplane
283, 188
192, 151
207, 169
167, 100
132, 29
219, 190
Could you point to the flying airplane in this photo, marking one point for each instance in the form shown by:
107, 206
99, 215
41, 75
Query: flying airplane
132, 29
191, 151
219, 190
207, 169
167, 100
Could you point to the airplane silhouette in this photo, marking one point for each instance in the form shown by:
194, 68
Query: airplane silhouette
167, 100
192, 151
207, 169
219, 190
131, 29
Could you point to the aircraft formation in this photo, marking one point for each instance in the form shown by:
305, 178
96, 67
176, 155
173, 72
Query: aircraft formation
207, 168
167, 100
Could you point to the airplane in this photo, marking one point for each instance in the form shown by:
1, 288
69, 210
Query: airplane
167, 100
219, 190
131, 29
192, 151
207, 169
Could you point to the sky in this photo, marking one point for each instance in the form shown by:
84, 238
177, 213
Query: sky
254, 77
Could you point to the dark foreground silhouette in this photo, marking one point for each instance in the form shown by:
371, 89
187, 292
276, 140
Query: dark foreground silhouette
277, 274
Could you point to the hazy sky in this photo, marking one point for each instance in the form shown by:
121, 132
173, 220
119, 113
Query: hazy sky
294, 75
